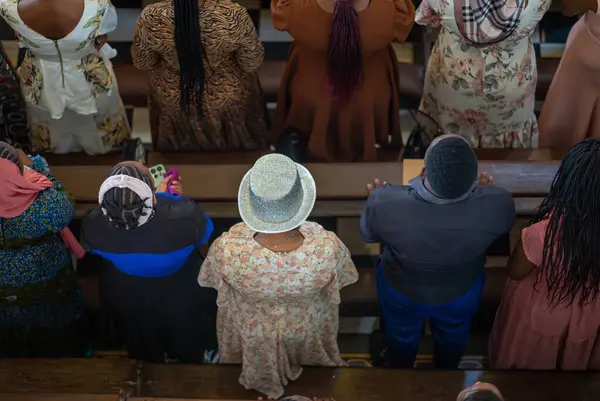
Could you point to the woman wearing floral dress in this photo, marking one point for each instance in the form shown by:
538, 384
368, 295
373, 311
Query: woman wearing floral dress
279, 279
482, 73
41, 304
72, 97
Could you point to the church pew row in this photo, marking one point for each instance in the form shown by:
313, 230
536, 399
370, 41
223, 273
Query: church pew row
341, 194
133, 83
340, 182
76, 379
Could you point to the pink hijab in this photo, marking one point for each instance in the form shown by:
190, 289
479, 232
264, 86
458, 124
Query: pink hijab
18, 193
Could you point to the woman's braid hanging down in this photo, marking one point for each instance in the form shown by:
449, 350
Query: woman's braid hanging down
344, 57
571, 267
190, 54
123, 206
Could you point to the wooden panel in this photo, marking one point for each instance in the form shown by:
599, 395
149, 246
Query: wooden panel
67, 376
60, 397
524, 206
334, 181
218, 382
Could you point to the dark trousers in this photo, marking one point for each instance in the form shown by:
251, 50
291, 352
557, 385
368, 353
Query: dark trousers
404, 320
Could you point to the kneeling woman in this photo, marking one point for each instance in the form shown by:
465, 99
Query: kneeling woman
549, 317
279, 279
149, 246
40, 301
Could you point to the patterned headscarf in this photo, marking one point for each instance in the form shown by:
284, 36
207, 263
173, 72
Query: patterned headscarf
486, 22
9, 153
126, 196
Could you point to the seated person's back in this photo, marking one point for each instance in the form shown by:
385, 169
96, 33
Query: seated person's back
435, 232
150, 265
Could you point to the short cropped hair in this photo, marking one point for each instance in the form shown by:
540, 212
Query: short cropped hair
482, 395
451, 166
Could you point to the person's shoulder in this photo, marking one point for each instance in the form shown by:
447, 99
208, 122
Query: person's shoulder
175, 207
226, 8
392, 194
160, 9
493, 193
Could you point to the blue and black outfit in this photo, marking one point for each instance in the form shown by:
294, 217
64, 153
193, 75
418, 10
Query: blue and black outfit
432, 265
148, 280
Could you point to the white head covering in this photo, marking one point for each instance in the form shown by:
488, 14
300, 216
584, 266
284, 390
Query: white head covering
142, 190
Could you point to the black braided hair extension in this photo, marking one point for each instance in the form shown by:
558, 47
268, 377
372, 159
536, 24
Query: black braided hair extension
571, 256
188, 43
123, 206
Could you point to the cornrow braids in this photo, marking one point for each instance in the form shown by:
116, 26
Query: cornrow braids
571, 256
190, 54
9, 153
123, 206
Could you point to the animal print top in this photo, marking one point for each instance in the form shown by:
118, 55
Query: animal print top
234, 111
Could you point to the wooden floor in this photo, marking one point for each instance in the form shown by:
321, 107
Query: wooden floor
116, 379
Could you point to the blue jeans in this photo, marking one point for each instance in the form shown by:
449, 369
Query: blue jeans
404, 320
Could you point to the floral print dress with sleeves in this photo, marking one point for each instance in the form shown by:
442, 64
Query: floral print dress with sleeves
277, 311
68, 83
352, 131
486, 94
38, 285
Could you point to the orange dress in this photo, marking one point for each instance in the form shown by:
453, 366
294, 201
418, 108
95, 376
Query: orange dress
347, 133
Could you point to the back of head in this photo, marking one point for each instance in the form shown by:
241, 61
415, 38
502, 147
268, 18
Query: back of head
344, 57
572, 266
190, 54
9, 153
122, 206
482, 395
451, 166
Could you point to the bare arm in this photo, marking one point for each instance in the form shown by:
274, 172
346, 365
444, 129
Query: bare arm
571, 8
519, 266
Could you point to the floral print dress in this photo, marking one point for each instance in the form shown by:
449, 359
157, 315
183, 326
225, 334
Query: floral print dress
486, 94
40, 300
73, 101
277, 311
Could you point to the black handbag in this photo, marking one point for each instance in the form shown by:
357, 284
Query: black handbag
292, 144
421, 136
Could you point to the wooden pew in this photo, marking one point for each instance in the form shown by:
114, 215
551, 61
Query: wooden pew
101, 380
216, 382
68, 376
61, 397
341, 186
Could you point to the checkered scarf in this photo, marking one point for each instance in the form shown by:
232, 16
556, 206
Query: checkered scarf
485, 22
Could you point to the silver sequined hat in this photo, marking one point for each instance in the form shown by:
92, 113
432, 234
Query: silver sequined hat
276, 195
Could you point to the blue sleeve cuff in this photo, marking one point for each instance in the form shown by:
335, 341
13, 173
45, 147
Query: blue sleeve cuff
207, 231
168, 195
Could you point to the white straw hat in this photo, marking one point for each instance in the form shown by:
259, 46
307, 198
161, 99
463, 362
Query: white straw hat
276, 195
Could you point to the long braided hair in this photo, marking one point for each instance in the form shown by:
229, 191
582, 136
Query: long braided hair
571, 256
190, 51
123, 206
344, 57
9, 153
